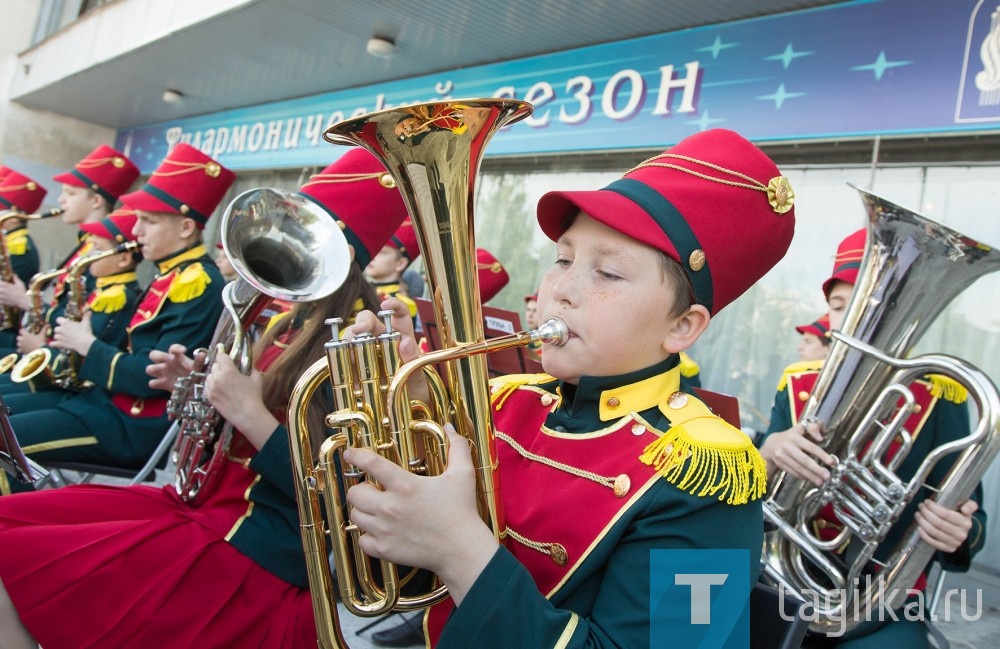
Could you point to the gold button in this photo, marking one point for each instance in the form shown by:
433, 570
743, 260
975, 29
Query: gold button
803, 395
622, 485
917, 408
677, 400
613, 403
387, 181
547, 399
184, 209
31, 186
558, 554
638, 429
213, 170
342, 225
697, 260
117, 162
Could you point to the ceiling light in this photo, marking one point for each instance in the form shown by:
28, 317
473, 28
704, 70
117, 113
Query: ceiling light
172, 96
381, 47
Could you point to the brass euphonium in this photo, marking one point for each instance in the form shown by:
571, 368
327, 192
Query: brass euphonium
9, 316
433, 152
283, 246
912, 268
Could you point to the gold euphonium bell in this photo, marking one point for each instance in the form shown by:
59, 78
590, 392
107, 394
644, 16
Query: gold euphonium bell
433, 152
911, 269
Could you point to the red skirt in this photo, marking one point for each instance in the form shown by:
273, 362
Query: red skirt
103, 566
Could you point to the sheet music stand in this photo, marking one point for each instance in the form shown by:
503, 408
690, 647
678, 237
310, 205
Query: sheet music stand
497, 322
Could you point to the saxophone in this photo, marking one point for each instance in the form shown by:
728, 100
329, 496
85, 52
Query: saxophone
10, 317
38, 367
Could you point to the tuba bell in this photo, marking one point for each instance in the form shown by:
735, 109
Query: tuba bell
862, 401
282, 246
433, 152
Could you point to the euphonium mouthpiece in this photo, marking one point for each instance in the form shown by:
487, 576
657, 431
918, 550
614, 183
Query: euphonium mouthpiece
551, 332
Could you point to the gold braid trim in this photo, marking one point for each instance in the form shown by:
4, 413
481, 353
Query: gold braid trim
504, 386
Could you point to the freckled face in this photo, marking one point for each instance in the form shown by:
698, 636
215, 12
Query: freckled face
611, 291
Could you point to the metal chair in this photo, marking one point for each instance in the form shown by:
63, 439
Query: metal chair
88, 471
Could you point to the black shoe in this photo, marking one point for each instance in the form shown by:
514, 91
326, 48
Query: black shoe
408, 634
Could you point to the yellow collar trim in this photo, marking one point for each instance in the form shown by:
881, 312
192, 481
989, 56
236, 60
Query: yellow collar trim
801, 367
637, 397
120, 278
171, 263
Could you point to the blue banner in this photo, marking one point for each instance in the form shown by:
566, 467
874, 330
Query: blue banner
857, 69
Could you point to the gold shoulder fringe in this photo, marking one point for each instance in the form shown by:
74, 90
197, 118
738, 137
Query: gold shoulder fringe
704, 456
17, 245
688, 367
502, 387
798, 368
948, 389
189, 284
109, 300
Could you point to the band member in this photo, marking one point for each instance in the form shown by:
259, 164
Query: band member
137, 566
815, 340
18, 193
89, 193
386, 269
942, 416
121, 419
611, 407
108, 308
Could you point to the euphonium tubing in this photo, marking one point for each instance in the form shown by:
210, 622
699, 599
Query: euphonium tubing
433, 152
856, 398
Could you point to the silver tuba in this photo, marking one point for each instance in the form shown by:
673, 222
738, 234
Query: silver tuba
283, 246
912, 268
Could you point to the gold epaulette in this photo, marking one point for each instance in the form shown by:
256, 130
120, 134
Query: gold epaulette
109, 300
189, 284
798, 368
946, 388
17, 244
502, 387
704, 456
688, 367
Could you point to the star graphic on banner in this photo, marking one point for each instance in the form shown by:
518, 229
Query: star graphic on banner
705, 121
780, 95
716, 47
788, 56
880, 65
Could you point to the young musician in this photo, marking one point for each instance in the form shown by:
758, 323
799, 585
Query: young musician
121, 419
942, 416
138, 566
640, 268
89, 193
18, 195
108, 308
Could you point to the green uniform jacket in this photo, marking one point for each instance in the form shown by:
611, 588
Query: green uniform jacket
601, 597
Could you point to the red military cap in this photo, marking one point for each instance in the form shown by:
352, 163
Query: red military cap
117, 226
820, 328
362, 197
533, 296
103, 170
187, 182
4, 170
492, 275
714, 203
405, 240
18, 192
847, 263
